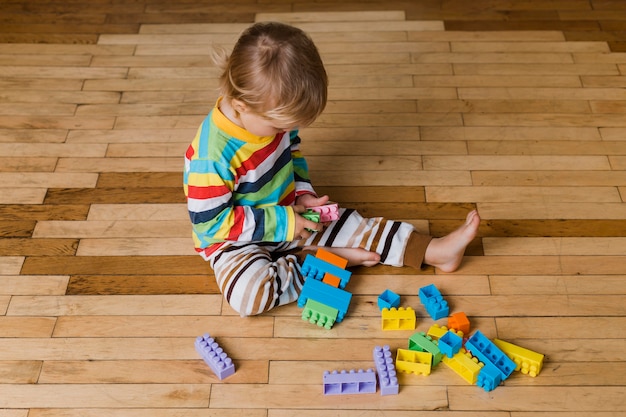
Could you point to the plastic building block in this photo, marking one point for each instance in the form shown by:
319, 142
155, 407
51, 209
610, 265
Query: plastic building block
349, 382
433, 301
450, 343
320, 314
388, 299
464, 365
311, 216
436, 331
459, 321
489, 377
387, 378
327, 212
315, 268
326, 294
214, 356
332, 280
414, 362
485, 350
526, 360
398, 318
331, 258
422, 343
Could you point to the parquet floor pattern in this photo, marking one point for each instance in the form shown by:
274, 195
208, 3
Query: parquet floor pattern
517, 108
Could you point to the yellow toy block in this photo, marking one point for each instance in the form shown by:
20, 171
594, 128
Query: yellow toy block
413, 362
331, 258
398, 318
436, 331
526, 360
463, 364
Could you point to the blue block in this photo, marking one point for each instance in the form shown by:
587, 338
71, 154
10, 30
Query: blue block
326, 294
450, 343
489, 377
487, 352
388, 299
313, 267
436, 307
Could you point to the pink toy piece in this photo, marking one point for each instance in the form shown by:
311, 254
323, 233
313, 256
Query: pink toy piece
328, 212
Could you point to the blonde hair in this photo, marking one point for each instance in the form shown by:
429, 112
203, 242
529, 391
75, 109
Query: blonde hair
276, 70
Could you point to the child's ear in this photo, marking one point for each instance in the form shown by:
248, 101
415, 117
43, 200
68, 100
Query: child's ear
239, 106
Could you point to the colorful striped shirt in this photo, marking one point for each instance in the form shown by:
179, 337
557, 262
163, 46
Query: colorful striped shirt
240, 186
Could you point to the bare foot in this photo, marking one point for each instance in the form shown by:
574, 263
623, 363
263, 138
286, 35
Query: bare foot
354, 256
446, 253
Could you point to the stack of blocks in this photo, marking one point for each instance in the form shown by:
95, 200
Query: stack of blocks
323, 297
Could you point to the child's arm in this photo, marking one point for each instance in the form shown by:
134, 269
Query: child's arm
300, 167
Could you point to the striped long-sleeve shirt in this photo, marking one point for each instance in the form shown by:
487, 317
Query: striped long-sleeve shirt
240, 186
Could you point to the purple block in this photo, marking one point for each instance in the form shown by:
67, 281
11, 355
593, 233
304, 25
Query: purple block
349, 382
386, 369
214, 356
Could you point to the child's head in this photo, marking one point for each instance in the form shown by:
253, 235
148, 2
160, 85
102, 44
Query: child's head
276, 73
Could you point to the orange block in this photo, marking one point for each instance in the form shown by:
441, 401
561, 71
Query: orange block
330, 279
331, 258
459, 321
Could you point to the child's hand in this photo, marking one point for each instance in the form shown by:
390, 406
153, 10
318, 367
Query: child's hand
304, 227
309, 200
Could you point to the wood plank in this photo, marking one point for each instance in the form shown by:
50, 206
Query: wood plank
27, 326
33, 285
144, 412
19, 372
141, 285
562, 284
554, 246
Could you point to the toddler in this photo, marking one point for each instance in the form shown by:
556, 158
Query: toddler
247, 183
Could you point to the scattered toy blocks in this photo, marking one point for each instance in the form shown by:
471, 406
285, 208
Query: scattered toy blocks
464, 365
450, 343
398, 318
487, 352
387, 378
316, 268
433, 301
349, 382
328, 212
388, 299
214, 356
317, 313
422, 343
459, 321
332, 297
411, 361
526, 360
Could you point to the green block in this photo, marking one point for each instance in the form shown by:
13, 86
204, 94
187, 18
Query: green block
320, 314
422, 343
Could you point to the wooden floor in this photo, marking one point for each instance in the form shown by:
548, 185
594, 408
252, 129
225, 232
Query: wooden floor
517, 108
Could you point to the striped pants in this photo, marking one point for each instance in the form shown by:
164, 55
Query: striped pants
255, 277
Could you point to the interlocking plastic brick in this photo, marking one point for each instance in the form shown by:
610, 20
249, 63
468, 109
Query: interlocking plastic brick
459, 321
485, 350
349, 382
326, 294
433, 301
450, 343
414, 362
214, 356
328, 212
388, 299
331, 258
464, 365
398, 318
489, 377
387, 378
315, 268
526, 360
317, 313
436, 331
422, 343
